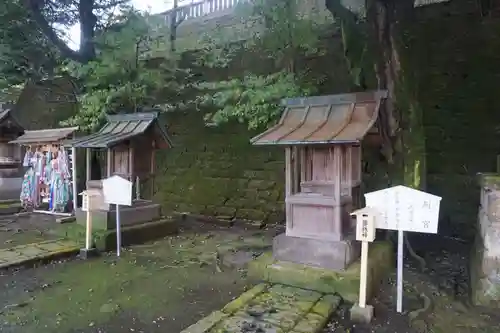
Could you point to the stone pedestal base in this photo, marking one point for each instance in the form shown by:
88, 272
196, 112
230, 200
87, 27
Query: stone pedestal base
313, 252
89, 253
342, 282
362, 315
485, 256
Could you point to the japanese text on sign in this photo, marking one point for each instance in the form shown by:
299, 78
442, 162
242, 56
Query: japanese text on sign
404, 208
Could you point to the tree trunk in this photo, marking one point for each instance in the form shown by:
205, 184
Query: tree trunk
88, 21
174, 18
400, 120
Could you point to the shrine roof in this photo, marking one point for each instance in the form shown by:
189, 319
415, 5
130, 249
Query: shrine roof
121, 127
9, 119
345, 118
53, 135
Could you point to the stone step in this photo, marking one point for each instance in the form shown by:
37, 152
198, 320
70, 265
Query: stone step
138, 234
269, 308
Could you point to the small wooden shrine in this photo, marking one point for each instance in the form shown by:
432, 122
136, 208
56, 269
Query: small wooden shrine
44, 146
11, 170
322, 138
129, 142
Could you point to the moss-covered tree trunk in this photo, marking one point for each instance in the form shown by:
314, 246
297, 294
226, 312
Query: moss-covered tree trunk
400, 117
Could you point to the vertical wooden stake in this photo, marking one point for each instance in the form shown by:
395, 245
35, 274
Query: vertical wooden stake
87, 164
118, 231
88, 239
288, 185
108, 163
399, 304
137, 188
73, 178
363, 274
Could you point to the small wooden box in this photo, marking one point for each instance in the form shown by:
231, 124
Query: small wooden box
365, 224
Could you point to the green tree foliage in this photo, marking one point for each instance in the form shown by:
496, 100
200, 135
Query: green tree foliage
25, 53
119, 80
280, 36
33, 40
93, 17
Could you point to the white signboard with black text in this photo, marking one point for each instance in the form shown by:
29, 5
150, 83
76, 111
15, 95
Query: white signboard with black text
117, 190
404, 208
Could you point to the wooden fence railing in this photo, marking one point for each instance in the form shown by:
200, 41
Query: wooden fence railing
198, 9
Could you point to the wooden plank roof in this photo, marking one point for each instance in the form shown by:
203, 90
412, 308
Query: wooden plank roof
55, 135
345, 118
121, 127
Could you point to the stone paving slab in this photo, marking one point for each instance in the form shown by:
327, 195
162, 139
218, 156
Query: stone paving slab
21, 254
269, 308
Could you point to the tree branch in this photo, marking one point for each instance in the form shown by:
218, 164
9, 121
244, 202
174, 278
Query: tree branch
35, 8
87, 20
339, 12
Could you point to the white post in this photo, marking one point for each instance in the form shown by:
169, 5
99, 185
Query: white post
73, 177
108, 163
87, 164
118, 231
399, 304
137, 188
363, 274
88, 238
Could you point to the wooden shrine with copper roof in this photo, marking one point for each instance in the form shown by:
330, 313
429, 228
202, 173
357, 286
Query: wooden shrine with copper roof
322, 138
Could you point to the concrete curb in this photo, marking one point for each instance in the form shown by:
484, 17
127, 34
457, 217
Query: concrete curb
277, 307
25, 260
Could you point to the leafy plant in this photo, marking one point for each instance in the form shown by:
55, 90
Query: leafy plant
275, 31
119, 80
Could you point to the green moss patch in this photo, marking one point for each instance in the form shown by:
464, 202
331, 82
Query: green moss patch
345, 283
162, 286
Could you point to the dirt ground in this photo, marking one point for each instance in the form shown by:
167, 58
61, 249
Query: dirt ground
159, 287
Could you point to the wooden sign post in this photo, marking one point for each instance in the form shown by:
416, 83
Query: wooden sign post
404, 209
365, 233
89, 205
117, 191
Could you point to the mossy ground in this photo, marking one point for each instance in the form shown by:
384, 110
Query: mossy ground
159, 287
26, 229
444, 282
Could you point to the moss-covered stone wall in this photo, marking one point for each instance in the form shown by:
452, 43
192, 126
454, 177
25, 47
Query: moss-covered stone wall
458, 68
215, 171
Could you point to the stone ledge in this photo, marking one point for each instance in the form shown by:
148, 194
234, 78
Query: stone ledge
26, 255
137, 234
271, 308
345, 283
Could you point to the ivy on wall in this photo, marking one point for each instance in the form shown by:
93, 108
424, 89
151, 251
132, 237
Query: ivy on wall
281, 36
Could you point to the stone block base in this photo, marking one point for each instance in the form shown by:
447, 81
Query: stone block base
137, 234
345, 283
313, 252
362, 315
484, 277
140, 212
89, 253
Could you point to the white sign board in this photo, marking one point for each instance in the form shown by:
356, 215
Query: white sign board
404, 208
117, 190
